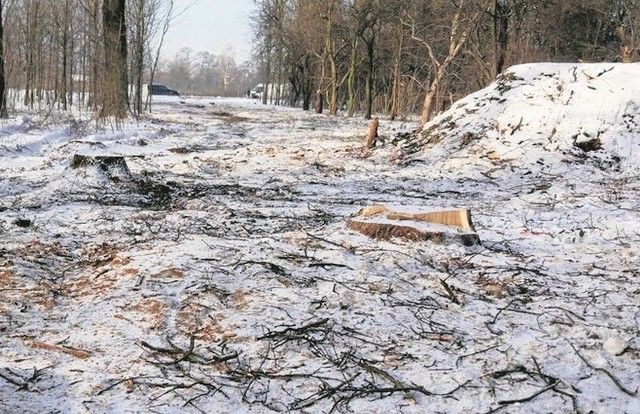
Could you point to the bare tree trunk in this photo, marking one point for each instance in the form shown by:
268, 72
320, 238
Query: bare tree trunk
266, 76
115, 99
72, 48
39, 73
319, 101
369, 78
500, 35
137, 43
351, 77
395, 89
98, 91
3, 80
333, 90
457, 39
427, 105
330, 53
65, 54
165, 28
31, 34
627, 49
307, 85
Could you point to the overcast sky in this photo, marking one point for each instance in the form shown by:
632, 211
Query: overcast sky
211, 26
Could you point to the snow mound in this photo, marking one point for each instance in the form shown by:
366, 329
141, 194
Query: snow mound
544, 116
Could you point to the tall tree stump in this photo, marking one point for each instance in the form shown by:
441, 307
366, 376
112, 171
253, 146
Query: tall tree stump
372, 135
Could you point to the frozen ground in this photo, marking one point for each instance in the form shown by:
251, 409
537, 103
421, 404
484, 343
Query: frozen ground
210, 268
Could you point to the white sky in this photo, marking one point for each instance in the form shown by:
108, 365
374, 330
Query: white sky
211, 26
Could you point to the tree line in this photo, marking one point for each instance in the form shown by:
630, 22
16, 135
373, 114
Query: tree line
397, 57
97, 55
402, 57
92, 53
204, 73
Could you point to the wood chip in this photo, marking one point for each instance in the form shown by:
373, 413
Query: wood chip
78, 353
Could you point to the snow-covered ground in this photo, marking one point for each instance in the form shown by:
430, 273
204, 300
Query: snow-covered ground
210, 269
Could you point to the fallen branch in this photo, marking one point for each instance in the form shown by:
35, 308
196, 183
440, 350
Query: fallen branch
517, 127
277, 269
289, 330
313, 236
529, 398
187, 354
461, 357
327, 391
615, 380
116, 383
450, 293
326, 264
506, 308
388, 377
23, 383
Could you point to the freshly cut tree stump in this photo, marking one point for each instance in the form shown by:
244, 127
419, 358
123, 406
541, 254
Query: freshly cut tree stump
457, 218
379, 222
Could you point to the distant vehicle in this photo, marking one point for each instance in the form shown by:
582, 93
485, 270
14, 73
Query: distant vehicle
273, 91
256, 92
158, 89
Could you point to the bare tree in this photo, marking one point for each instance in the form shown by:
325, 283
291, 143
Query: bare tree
3, 83
370, 15
500, 11
148, 22
463, 21
63, 21
138, 26
115, 85
331, 51
628, 19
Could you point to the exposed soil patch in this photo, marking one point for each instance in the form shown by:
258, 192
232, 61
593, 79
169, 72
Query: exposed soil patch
228, 117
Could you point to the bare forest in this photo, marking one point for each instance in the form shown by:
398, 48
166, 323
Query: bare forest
393, 57
402, 57
97, 55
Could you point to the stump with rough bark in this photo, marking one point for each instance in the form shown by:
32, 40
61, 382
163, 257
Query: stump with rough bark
113, 167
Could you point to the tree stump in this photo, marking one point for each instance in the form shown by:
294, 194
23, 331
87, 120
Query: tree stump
113, 167
381, 223
372, 135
